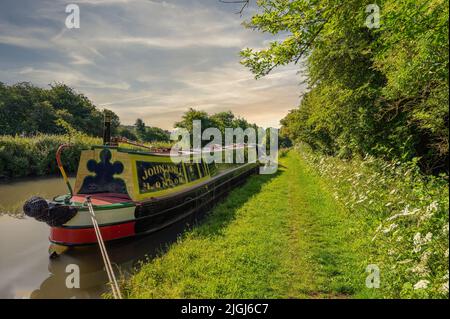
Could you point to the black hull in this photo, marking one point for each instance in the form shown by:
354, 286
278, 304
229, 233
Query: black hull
160, 213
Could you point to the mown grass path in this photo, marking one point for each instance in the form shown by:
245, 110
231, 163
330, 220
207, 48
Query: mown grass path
278, 236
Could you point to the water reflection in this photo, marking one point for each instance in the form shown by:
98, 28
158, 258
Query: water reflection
125, 256
27, 272
14, 193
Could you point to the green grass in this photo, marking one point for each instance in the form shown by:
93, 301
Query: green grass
278, 236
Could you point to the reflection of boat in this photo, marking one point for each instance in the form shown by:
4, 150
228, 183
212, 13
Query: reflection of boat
133, 193
126, 256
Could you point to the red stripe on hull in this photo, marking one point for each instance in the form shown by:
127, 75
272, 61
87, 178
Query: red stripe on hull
82, 236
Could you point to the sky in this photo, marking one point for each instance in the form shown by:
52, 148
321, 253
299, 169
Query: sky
148, 59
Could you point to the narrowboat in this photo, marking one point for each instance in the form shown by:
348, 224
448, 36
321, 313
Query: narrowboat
133, 192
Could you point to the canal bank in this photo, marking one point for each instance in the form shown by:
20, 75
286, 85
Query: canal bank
278, 236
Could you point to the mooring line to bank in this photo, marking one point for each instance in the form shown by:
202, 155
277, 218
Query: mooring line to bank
109, 270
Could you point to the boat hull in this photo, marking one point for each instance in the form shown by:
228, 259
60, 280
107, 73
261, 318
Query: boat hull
133, 218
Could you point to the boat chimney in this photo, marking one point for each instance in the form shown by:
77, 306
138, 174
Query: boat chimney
106, 128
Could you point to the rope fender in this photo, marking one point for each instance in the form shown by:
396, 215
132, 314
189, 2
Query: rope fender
53, 215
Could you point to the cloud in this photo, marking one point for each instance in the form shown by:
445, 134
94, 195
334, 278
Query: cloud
25, 42
219, 89
176, 42
73, 77
148, 59
79, 59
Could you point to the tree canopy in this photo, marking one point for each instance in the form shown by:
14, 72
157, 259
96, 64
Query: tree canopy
149, 133
219, 120
27, 109
381, 90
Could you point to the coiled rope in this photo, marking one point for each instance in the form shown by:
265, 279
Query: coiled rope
109, 270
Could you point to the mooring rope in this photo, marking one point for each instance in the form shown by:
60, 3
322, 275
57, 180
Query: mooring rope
109, 270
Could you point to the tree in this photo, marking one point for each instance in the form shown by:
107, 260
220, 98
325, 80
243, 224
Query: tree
156, 134
191, 115
149, 133
27, 109
124, 132
219, 120
140, 129
223, 120
382, 91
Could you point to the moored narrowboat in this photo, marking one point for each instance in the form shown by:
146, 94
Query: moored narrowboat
133, 193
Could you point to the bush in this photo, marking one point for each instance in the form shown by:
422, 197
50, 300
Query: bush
406, 220
35, 156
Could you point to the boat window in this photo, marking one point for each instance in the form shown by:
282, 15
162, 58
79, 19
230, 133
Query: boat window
212, 169
202, 168
192, 171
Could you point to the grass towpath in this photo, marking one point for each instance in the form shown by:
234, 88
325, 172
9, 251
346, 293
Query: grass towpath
278, 236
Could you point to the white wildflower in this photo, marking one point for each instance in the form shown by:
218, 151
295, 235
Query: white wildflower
417, 241
391, 252
434, 206
421, 284
445, 229
390, 228
429, 211
422, 267
404, 212
444, 288
417, 238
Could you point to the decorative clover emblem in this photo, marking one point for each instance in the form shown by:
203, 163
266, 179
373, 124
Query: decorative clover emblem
104, 181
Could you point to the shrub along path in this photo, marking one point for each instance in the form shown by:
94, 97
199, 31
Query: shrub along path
278, 236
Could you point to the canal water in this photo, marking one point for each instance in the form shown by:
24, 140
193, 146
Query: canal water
26, 271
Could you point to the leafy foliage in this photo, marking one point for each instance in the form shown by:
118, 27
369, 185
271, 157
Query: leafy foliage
35, 156
127, 133
28, 110
379, 91
149, 133
219, 120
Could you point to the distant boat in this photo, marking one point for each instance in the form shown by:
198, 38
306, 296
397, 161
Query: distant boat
133, 193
